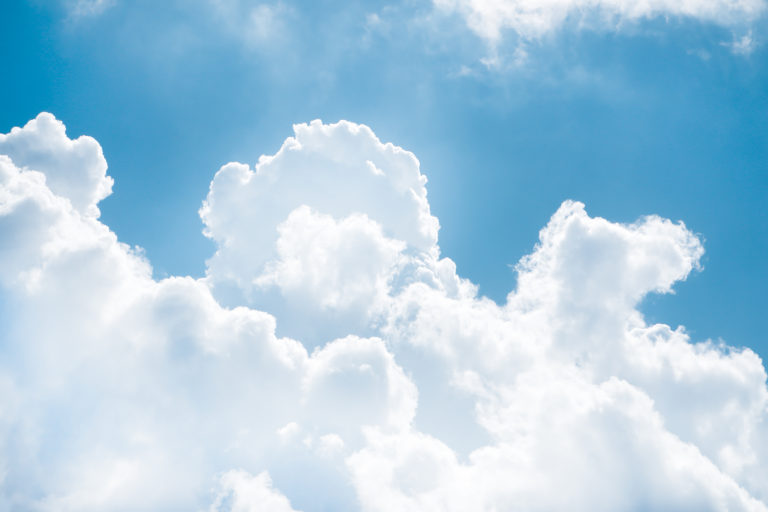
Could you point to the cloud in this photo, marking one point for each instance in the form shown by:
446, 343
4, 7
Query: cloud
744, 45
241, 492
320, 228
336, 265
405, 389
256, 25
74, 169
85, 8
533, 20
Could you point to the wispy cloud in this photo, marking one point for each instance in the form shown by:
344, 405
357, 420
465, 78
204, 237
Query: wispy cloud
531, 20
257, 25
743, 45
87, 8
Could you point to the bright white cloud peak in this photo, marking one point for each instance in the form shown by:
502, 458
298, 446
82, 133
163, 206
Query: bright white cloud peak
409, 392
531, 19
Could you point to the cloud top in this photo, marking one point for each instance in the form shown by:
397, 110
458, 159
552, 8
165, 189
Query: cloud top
74, 169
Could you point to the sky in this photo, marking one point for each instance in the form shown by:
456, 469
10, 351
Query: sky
414, 255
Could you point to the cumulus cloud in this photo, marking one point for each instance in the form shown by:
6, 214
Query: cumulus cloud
74, 169
336, 265
320, 229
405, 391
535, 19
242, 492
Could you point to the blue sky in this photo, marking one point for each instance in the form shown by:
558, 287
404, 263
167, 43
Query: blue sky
663, 120
657, 113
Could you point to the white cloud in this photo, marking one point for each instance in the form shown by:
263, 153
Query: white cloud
535, 19
122, 392
743, 45
85, 8
596, 448
325, 224
74, 169
358, 382
257, 25
241, 492
334, 265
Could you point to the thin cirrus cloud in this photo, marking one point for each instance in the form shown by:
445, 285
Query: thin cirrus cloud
87, 8
508, 30
535, 19
122, 392
257, 25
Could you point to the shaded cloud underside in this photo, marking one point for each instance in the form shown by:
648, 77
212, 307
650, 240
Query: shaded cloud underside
121, 392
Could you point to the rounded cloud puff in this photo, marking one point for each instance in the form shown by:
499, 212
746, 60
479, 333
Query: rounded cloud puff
74, 169
405, 391
339, 170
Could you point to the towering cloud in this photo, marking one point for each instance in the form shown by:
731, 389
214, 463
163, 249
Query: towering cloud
399, 387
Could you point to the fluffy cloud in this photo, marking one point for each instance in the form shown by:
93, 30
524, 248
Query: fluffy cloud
85, 8
535, 19
74, 169
320, 229
336, 265
400, 388
241, 492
